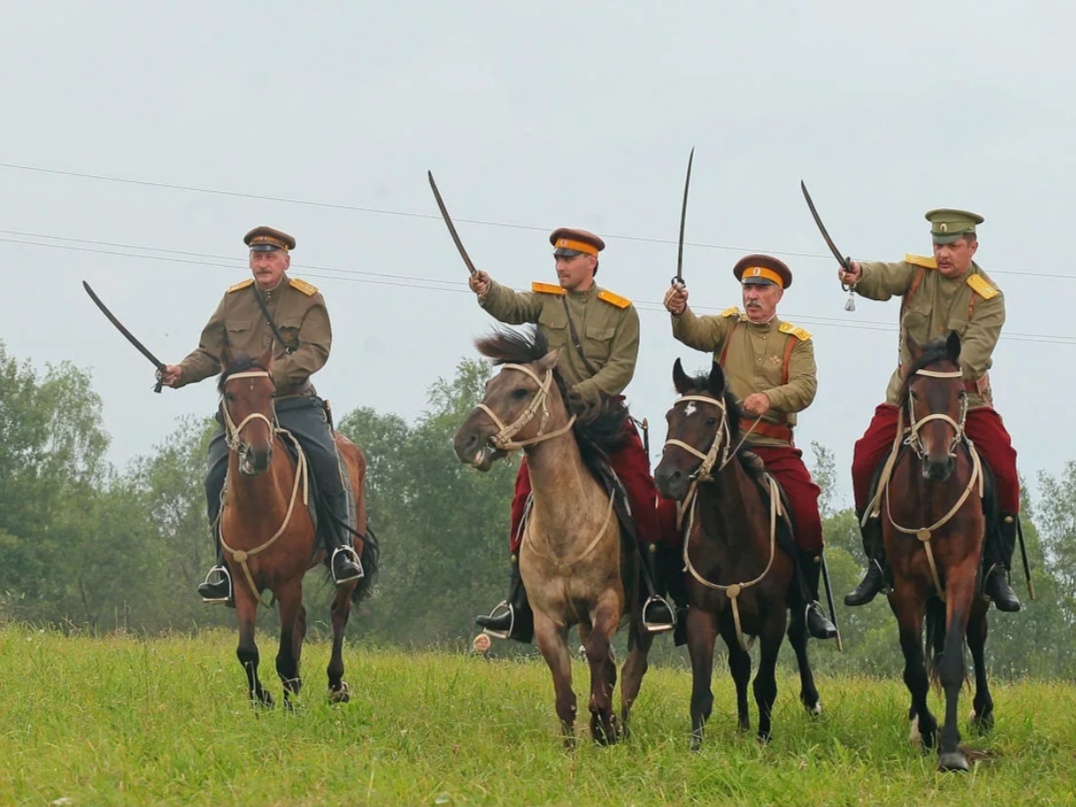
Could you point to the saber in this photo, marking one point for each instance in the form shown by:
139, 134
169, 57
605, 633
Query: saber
1023, 556
844, 261
683, 217
127, 334
450, 225
829, 600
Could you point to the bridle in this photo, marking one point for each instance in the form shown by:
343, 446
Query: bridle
503, 438
233, 430
913, 440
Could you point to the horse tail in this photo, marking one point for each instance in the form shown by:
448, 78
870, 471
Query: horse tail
370, 559
935, 645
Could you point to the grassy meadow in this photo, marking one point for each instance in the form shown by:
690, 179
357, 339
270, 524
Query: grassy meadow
127, 720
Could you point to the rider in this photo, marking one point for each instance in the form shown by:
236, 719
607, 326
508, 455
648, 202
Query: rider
598, 333
770, 368
943, 293
298, 310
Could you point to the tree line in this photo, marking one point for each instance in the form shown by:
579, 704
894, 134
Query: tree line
89, 547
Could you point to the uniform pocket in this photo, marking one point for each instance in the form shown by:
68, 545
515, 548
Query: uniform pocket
554, 325
598, 342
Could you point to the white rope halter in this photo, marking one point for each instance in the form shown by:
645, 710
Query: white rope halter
503, 438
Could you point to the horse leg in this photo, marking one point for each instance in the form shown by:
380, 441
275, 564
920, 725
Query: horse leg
982, 716
740, 669
907, 607
797, 637
552, 641
960, 591
632, 674
606, 617
290, 599
701, 628
765, 686
339, 692
247, 651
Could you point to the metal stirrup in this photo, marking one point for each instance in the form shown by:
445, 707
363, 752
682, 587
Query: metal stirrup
658, 627
227, 579
502, 634
354, 556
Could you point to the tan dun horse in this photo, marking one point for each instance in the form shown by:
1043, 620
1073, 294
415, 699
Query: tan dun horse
573, 562
740, 580
930, 492
267, 531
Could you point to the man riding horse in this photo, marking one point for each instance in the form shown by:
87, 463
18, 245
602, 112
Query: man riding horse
769, 365
289, 314
944, 293
597, 333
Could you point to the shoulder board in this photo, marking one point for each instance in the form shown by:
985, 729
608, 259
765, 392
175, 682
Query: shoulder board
795, 330
981, 286
301, 285
242, 284
614, 299
732, 311
546, 288
921, 260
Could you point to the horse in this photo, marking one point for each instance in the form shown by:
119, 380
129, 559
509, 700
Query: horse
267, 531
574, 564
739, 579
933, 530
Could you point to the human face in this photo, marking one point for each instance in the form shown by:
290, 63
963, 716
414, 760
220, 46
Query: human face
760, 300
955, 258
576, 273
269, 267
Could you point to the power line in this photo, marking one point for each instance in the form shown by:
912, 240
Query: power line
413, 215
433, 284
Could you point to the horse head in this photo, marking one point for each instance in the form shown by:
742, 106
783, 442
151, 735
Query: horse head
937, 402
699, 430
521, 405
246, 406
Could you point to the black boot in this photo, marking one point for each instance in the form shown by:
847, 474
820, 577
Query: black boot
345, 565
217, 586
873, 547
511, 618
658, 613
997, 557
818, 624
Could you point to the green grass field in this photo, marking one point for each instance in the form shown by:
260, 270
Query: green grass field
123, 720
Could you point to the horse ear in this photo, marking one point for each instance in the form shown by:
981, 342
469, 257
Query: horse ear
952, 347
225, 356
549, 360
681, 380
266, 359
915, 349
717, 380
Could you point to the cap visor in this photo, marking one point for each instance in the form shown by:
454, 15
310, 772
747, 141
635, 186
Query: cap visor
947, 239
758, 281
564, 252
264, 248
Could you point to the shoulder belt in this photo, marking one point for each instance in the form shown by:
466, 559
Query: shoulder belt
733, 311
981, 286
546, 288
921, 260
614, 299
795, 330
242, 284
306, 288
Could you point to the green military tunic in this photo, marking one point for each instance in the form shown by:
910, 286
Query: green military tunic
971, 305
757, 359
299, 312
607, 325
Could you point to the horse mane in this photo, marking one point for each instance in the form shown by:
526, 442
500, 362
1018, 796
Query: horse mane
238, 364
933, 352
701, 383
603, 433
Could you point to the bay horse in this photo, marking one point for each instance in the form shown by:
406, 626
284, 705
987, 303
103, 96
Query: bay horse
739, 577
267, 531
934, 528
573, 560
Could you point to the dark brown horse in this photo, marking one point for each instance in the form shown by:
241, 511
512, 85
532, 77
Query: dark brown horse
740, 579
574, 564
268, 534
933, 528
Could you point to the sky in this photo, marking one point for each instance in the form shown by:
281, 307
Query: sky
141, 141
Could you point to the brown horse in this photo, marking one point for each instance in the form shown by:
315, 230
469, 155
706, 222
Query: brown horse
267, 531
740, 579
573, 562
933, 530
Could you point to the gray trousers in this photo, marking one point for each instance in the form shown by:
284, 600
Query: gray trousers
305, 418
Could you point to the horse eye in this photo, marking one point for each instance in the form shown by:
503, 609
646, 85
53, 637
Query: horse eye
230, 397
711, 421
963, 394
912, 394
519, 393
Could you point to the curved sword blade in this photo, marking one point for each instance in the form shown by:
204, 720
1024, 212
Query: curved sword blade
843, 261
683, 218
127, 334
449, 224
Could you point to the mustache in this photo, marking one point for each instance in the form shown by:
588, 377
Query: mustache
752, 304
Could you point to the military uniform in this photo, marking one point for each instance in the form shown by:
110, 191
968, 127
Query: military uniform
298, 309
775, 358
934, 305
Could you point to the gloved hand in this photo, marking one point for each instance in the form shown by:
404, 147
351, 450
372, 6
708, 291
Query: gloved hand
583, 410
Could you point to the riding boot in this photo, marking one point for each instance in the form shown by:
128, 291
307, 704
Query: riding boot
997, 559
874, 548
511, 618
818, 624
658, 613
217, 586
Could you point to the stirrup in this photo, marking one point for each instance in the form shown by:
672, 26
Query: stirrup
223, 571
493, 615
658, 627
355, 559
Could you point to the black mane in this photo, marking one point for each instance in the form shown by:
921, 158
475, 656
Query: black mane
934, 352
238, 364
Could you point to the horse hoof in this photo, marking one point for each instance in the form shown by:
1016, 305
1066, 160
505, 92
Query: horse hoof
952, 761
341, 695
914, 737
814, 711
982, 723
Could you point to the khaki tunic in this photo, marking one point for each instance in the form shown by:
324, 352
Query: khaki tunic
972, 305
754, 361
299, 312
607, 325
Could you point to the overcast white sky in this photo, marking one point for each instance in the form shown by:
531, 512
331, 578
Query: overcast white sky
531, 116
